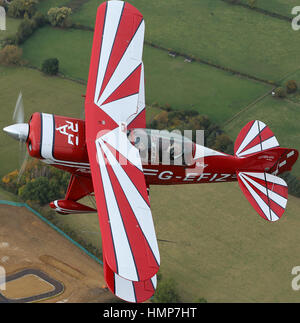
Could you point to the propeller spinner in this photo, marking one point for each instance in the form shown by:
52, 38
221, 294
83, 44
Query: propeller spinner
18, 131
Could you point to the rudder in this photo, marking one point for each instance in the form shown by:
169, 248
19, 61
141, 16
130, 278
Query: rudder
256, 136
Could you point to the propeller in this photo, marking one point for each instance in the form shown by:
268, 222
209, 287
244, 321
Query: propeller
19, 131
18, 116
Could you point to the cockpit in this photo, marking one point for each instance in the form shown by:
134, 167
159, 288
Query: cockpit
162, 147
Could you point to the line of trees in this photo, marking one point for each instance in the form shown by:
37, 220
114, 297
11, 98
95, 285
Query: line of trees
167, 291
11, 53
289, 87
170, 119
33, 19
39, 183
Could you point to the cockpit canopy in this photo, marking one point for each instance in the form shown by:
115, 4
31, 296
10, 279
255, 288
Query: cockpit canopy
162, 147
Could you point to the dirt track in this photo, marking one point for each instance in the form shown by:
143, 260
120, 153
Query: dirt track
28, 243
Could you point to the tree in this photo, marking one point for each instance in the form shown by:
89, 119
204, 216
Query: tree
25, 29
11, 55
201, 300
291, 86
50, 66
19, 8
161, 119
252, 3
38, 190
39, 19
60, 17
166, 292
10, 40
223, 143
49, 181
192, 120
280, 92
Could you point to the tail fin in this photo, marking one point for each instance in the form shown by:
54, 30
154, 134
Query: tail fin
262, 159
253, 138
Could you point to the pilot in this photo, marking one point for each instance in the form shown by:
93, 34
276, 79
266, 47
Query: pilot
139, 144
175, 150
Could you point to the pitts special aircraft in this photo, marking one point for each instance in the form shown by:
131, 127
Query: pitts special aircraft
105, 154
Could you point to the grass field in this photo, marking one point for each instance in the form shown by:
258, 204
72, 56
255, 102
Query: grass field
12, 25
224, 34
87, 13
42, 94
229, 255
7, 196
282, 7
210, 91
281, 116
72, 48
45, 5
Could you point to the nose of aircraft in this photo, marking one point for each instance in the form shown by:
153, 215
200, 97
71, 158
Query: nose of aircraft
18, 131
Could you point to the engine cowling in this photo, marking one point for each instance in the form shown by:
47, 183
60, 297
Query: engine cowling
57, 138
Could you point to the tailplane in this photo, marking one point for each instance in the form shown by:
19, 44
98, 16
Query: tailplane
266, 193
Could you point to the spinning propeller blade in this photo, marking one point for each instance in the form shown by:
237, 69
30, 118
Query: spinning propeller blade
18, 116
19, 131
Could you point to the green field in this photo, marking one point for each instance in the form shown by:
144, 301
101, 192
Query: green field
282, 7
281, 116
71, 46
12, 25
210, 91
7, 196
87, 13
229, 255
45, 5
224, 34
41, 94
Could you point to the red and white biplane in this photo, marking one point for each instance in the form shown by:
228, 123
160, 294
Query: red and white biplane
112, 154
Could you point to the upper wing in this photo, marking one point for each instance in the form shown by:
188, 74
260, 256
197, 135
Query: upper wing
116, 76
115, 98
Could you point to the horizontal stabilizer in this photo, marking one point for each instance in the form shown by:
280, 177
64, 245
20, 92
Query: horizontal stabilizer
266, 193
